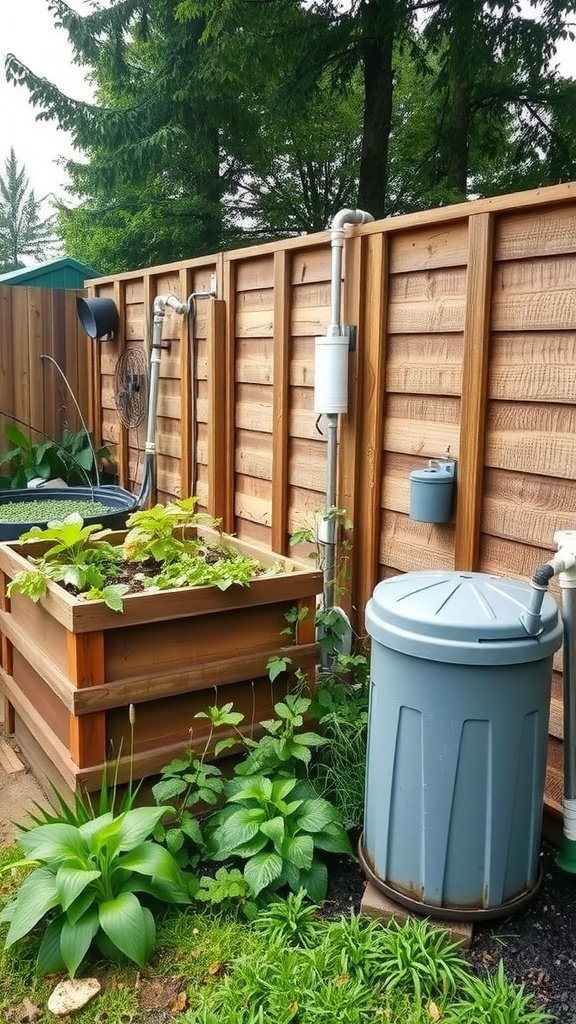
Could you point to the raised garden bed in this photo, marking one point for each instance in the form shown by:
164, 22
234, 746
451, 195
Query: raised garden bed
70, 668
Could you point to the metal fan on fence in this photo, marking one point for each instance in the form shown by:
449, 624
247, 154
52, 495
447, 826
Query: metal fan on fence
131, 386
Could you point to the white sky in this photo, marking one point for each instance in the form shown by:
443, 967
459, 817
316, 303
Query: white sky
27, 29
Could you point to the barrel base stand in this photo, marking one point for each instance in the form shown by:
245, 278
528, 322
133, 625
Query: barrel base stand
512, 906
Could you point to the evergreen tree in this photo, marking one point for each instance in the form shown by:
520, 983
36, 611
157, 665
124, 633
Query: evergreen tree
22, 230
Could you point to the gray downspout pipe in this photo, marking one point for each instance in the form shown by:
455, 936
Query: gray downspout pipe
159, 312
342, 218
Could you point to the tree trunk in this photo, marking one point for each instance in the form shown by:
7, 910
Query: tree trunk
378, 18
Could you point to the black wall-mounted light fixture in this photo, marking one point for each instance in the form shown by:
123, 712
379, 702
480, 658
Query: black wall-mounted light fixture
98, 316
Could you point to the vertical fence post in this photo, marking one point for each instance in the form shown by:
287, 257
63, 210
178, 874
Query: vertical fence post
217, 394
119, 297
474, 391
280, 401
350, 461
229, 411
372, 399
187, 382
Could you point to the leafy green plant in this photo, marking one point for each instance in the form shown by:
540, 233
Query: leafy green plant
277, 826
227, 891
283, 745
82, 560
70, 560
188, 782
291, 921
72, 459
87, 880
494, 1000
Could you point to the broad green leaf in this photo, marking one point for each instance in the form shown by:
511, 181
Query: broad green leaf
248, 849
53, 842
70, 882
167, 789
36, 896
167, 892
333, 838
257, 787
281, 789
76, 939
299, 850
310, 739
137, 825
315, 881
274, 829
80, 905
122, 920
7, 912
299, 752
150, 859
261, 870
90, 828
149, 932
49, 960
315, 814
191, 827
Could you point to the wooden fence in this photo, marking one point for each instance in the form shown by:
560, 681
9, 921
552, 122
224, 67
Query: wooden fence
33, 322
466, 322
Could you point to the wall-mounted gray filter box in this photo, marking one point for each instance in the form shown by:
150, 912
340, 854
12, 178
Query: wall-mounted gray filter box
432, 491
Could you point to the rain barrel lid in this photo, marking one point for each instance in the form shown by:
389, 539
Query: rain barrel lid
467, 617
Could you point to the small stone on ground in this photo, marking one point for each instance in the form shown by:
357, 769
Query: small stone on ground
71, 995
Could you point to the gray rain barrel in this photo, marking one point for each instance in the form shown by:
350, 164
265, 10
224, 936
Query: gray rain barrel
457, 739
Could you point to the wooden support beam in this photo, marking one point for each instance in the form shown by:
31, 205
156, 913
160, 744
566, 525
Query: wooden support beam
6, 656
188, 421
474, 391
366, 536
86, 668
123, 443
280, 401
350, 456
217, 405
229, 292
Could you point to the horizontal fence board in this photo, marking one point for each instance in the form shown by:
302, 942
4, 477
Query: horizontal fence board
310, 265
431, 364
535, 438
536, 367
430, 247
522, 234
406, 545
527, 508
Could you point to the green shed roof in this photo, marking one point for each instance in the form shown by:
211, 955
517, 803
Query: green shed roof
61, 273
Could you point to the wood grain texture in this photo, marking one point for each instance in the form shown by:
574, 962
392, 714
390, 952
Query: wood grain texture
216, 451
428, 364
188, 388
533, 366
280, 401
372, 399
474, 390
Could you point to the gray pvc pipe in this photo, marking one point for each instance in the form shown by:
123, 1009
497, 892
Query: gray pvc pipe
569, 691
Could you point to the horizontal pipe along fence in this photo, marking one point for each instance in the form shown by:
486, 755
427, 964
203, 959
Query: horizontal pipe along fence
466, 321
36, 322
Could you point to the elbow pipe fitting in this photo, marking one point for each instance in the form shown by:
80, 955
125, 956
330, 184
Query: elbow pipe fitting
542, 575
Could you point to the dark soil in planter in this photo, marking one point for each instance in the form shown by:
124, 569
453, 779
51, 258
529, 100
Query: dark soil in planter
538, 945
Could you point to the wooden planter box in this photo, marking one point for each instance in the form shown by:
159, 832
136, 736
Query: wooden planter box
71, 668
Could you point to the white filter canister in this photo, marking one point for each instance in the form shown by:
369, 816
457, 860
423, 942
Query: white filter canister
331, 374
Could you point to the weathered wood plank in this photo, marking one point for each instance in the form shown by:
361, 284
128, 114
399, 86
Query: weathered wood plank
280, 400
426, 364
474, 390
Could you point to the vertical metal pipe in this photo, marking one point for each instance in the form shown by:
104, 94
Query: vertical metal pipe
569, 694
330, 522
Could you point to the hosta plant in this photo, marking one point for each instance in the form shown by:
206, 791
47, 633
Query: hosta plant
278, 826
90, 884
